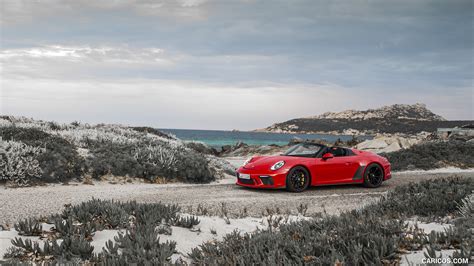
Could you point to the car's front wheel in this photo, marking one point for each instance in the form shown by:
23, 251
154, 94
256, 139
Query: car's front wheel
297, 179
373, 176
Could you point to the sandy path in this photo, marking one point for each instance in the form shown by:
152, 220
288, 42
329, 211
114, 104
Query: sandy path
23, 202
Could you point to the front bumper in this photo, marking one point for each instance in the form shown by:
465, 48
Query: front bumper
261, 180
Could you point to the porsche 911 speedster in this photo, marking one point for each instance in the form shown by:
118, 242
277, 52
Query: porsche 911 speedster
311, 164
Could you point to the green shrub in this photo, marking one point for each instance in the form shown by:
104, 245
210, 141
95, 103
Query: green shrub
431, 155
28, 227
140, 246
59, 161
19, 162
437, 197
149, 160
116, 159
68, 249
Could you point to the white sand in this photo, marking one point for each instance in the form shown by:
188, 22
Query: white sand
429, 227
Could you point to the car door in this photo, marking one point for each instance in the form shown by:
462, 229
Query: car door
328, 171
339, 169
349, 166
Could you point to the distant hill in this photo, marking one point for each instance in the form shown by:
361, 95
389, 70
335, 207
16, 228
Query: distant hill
397, 118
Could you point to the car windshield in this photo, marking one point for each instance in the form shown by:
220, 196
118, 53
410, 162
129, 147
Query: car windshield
303, 150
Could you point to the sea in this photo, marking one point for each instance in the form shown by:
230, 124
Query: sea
219, 138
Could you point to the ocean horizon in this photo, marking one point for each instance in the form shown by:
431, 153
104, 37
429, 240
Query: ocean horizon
219, 138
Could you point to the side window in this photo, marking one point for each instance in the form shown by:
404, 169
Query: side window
349, 152
338, 152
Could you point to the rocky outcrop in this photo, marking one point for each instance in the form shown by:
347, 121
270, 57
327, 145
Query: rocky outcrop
397, 118
242, 149
416, 111
384, 143
463, 133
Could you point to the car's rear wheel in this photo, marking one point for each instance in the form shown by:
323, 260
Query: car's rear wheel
373, 176
297, 179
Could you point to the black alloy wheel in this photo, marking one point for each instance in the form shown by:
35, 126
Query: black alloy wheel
373, 176
297, 179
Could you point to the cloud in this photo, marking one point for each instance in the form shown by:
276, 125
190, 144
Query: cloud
74, 53
21, 11
72, 62
123, 61
313, 56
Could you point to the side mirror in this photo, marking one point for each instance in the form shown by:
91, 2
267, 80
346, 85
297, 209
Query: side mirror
328, 155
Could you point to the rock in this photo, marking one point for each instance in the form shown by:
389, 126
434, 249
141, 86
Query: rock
351, 131
462, 134
295, 140
264, 149
404, 143
201, 147
373, 144
388, 143
395, 146
243, 149
416, 111
4, 227
226, 148
220, 166
240, 144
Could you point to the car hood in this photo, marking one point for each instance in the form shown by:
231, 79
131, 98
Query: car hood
265, 162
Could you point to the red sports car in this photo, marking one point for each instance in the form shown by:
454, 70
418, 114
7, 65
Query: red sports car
310, 164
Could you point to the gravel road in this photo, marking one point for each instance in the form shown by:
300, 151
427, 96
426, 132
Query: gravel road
18, 203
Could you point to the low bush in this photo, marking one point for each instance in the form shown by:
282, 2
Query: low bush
59, 160
186, 222
114, 215
115, 159
433, 154
139, 246
438, 197
19, 163
67, 250
29, 227
149, 160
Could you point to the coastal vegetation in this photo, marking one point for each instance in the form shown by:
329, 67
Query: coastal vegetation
74, 228
37, 151
433, 154
375, 234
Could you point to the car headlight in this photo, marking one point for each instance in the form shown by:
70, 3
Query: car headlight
247, 161
278, 165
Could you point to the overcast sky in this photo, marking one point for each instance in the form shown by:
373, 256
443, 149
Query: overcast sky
232, 64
